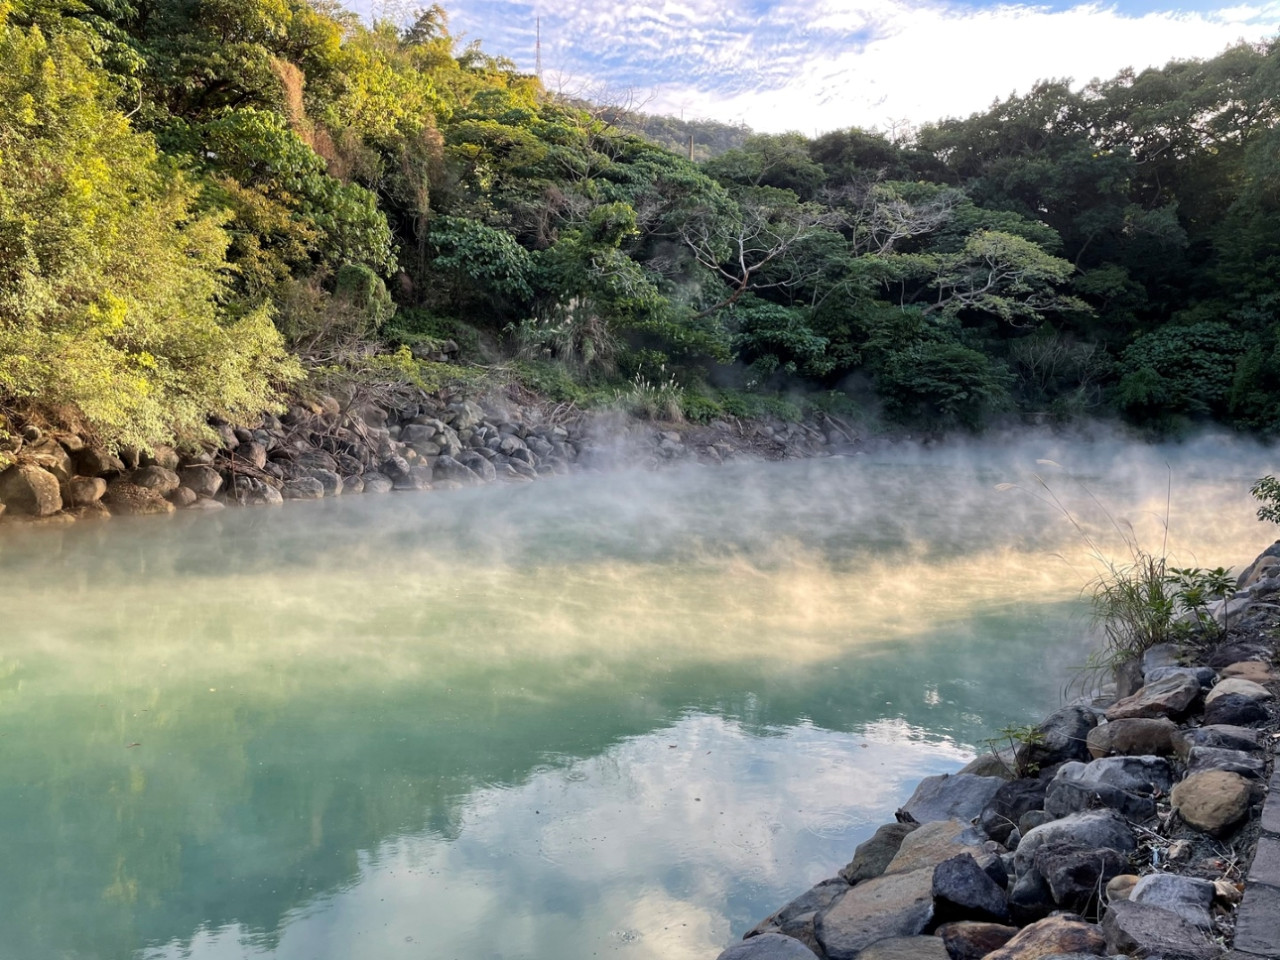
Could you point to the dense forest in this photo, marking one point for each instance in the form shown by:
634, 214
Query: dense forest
207, 203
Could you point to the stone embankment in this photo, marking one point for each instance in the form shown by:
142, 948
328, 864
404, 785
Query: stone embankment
327, 448
1141, 823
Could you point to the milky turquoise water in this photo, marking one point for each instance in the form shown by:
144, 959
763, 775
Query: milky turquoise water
602, 716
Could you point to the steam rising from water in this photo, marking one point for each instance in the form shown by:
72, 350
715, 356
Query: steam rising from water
623, 713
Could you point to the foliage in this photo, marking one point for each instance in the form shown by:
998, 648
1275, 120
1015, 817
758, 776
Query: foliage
1267, 491
1194, 588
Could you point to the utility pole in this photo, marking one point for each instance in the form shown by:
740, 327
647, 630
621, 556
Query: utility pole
538, 48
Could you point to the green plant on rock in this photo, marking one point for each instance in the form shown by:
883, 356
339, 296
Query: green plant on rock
1266, 491
1194, 589
1019, 739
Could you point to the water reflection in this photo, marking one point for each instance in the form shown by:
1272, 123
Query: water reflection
609, 714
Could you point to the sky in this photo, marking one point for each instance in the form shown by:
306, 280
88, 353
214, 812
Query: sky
818, 65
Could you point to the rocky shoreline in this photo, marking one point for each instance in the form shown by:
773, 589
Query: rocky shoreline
1136, 823
329, 446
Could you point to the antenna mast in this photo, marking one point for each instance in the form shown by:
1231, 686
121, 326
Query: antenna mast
538, 48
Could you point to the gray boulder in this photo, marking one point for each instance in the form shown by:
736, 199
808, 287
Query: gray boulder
1016, 797
963, 891
28, 489
872, 856
447, 468
1064, 736
1188, 897
768, 946
303, 488
1126, 784
1169, 697
202, 479
796, 919
1220, 736
893, 905
1135, 737
1232, 709
161, 480
1096, 828
1145, 930
1251, 765
375, 482
1076, 874
959, 796
1205, 676
329, 481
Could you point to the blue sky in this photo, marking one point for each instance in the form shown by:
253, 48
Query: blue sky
816, 65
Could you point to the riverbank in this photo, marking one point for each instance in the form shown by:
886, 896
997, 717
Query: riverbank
329, 446
1144, 822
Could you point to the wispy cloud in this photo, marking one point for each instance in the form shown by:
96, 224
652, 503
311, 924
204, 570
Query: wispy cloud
826, 64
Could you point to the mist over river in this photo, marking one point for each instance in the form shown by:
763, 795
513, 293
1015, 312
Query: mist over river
610, 715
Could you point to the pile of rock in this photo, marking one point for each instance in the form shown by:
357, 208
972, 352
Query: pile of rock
1122, 827
326, 448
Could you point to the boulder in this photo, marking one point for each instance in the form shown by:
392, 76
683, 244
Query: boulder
999, 763
973, 940
872, 856
203, 504
1188, 897
1051, 936
958, 796
303, 488
1063, 737
352, 484
1144, 930
1170, 697
1205, 676
251, 452
1239, 687
82, 491
160, 456
182, 497
1096, 828
1126, 784
30, 490
1030, 898
124, 497
375, 482
51, 456
1119, 888
478, 465
1236, 651
1219, 736
1232, 709
768, 946
931, 843
1134, 737
1249, 764
906, 948
97, 462
1214, 801
252, 492
330, 482
796, 919
893, 905
161, 480
1077, 874
1014, 798
447, 468
963, 891
202, 479
1160, 655
1254, 670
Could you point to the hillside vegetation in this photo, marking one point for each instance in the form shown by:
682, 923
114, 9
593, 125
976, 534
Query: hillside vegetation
205, 202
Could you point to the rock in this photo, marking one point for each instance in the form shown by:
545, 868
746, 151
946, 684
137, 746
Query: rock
1239, 687
1051, 936
1213, 802
796, 919
1170, 697
1034, 818
124, 497
1219, 736
375, 482
330, 482
464, 416
161, 456
872, 856
1250, 765
30, 490
768, 946
1014, 798
1076, 874
1126, 784
447, 468
1232, 709
1159, 655
51, 456
82, 491
478, 465
893, 905
959, 796
252, 492
931, 843
182, 497
1144, 930
1000, 763
352, 485
303, 488
1096, 828
963, 891
251, 452
1236, 651
97, 462
1254, 670
1205, 676
1188, 897
1134, 738
906, 948
973, 940
203, 480
158, 479
203, 504
1119, 888
1064, 735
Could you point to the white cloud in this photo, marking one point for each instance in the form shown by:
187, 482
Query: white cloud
835, 63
